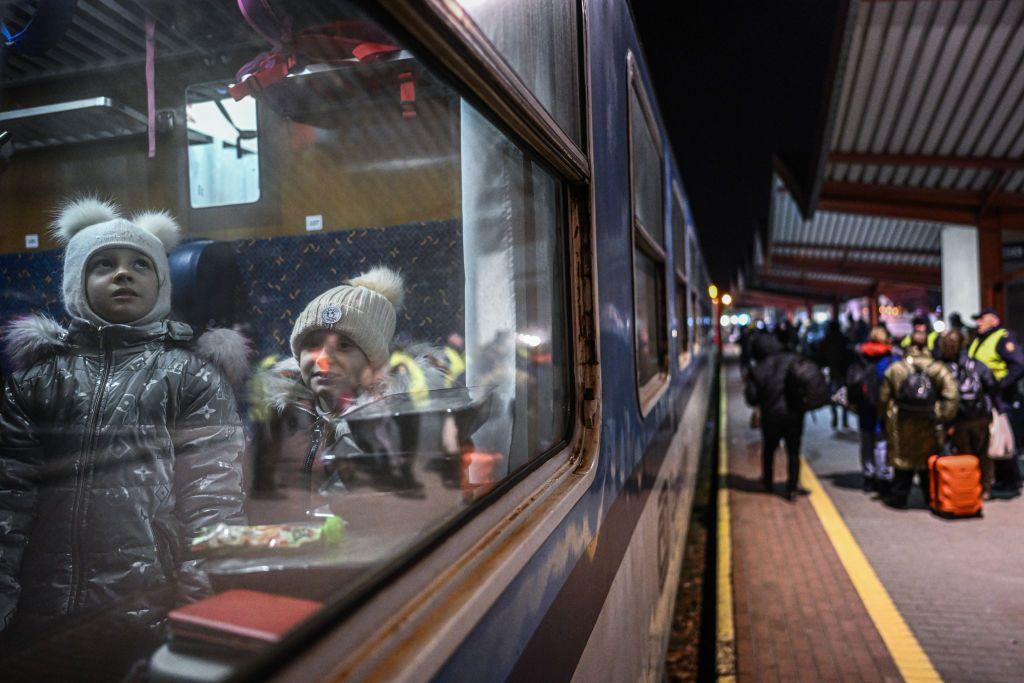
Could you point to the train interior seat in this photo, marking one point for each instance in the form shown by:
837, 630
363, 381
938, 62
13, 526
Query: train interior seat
276, 276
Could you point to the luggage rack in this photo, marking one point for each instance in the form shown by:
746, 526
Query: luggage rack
71, 123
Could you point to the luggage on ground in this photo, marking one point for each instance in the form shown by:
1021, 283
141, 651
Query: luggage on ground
806, 388
955, 485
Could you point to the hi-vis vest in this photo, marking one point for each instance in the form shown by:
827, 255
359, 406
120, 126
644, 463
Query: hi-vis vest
418, 388
988, 353
932, 336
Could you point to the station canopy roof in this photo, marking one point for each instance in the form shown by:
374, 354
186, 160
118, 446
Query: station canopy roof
917, 122
928, 131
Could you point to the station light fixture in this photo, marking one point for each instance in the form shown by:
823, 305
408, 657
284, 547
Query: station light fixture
727, 299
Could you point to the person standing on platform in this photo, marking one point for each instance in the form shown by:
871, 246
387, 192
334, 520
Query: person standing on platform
863, 381
765, 390
835, 355
977, 387
998, 348
921, 324
917, 396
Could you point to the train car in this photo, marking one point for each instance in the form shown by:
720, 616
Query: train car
516, 484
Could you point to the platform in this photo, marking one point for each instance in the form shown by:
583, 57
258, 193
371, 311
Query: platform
837, 587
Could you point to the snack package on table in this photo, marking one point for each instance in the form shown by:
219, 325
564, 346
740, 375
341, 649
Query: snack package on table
228, 539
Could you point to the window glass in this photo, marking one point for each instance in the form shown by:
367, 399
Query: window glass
539, 40
646, 171
650, 317
319, 376
679, 239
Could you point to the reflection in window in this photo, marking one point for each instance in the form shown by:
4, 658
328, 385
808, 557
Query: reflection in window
651, 315
679, 241
539, 40
646, 171
404, 299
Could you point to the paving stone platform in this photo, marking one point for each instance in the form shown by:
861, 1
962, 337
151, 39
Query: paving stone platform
959, 584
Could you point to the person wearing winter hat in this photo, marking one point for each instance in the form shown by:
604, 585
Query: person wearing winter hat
341, 347
119, 436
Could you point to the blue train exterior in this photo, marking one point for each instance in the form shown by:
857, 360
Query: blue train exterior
594, 598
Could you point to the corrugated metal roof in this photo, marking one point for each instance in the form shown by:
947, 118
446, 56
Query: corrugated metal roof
864, 238
932, 99
929, 131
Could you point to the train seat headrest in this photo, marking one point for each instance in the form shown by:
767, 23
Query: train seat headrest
203, 279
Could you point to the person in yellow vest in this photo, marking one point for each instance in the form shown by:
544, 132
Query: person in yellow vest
921, 324
998, 348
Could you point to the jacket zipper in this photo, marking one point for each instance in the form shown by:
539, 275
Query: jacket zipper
307, 465
80, 484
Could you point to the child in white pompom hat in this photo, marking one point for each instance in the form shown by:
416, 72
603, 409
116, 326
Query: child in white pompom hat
119, 436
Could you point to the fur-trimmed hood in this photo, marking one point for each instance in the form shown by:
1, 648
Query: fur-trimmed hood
32, 338
280, 386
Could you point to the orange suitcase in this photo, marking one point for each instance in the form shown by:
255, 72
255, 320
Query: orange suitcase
955, 483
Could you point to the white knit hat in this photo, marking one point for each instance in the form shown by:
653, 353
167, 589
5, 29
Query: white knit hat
363, 309
85, 226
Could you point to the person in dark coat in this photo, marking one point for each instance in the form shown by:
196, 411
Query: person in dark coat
834, 352
863, 380
1000, 350
765, 389
969, 430
119, 438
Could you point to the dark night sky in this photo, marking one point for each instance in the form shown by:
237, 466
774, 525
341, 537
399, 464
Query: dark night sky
741, 85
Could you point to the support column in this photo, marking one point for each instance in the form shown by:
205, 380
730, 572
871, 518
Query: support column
990, 262
962, 271
873, 305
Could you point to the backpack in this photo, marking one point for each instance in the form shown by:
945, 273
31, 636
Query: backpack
805, 386
916, 394
862, 385
973, 400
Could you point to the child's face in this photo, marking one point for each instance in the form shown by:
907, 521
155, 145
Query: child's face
334, 368
121, 285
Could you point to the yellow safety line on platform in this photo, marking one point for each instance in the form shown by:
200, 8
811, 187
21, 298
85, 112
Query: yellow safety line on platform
725, 645
910, 658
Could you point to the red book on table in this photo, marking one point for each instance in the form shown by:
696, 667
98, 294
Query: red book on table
245, 614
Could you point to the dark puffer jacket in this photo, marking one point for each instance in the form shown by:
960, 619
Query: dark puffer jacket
116, 445
303, 457
766, 384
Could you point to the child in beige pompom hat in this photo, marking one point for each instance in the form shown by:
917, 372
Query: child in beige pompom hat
341, 348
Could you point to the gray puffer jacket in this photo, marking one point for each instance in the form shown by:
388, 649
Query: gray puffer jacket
116, 445
303, 457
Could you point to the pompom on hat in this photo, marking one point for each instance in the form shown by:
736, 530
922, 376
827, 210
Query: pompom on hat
87, 225
364, 309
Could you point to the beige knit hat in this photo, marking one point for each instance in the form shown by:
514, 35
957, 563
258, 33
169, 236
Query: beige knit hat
363, 309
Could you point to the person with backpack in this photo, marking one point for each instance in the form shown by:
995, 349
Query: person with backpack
778, 386
918, 395
863, 380
977, 386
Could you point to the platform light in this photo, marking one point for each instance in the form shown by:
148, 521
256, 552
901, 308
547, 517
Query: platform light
727, 299
724, 320
713, 291
744, 319
939, 326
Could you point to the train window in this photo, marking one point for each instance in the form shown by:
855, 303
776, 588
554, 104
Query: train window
651, 324
223, 147
290, 401
679, 240
540, 40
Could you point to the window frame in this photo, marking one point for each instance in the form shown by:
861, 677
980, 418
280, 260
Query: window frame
516, 518
651, 390
681, 272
